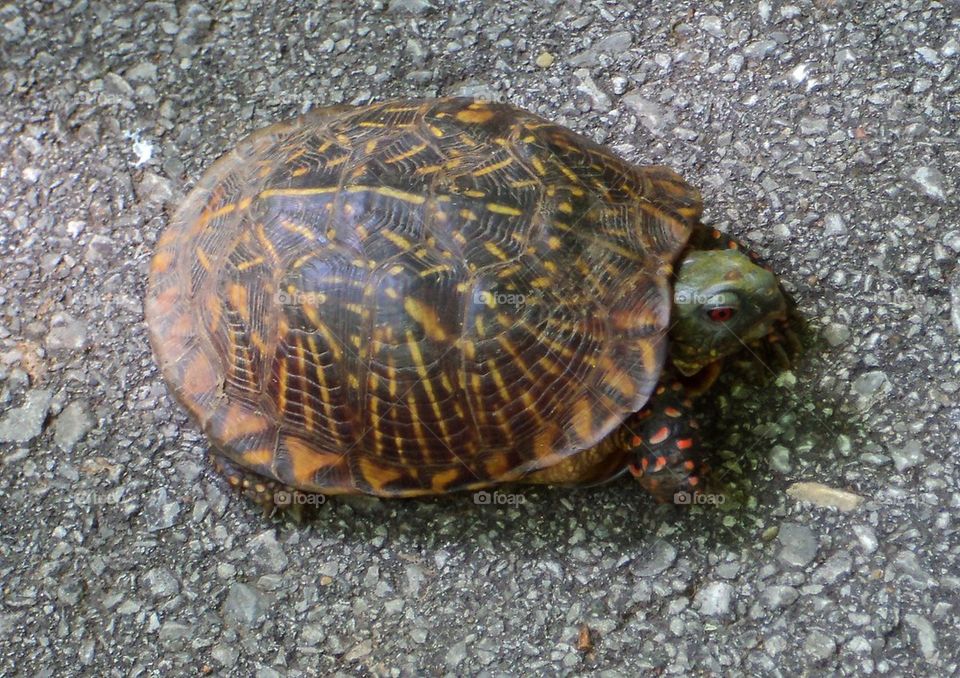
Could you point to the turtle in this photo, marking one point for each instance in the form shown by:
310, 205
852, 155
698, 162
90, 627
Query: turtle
421, 297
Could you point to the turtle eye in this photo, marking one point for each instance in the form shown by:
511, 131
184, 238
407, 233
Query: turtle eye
721, 307
721, 314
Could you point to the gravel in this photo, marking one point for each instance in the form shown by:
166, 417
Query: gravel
931, 182
71, 426
23, 424
823, 134
245, 605
798, 544
714, 599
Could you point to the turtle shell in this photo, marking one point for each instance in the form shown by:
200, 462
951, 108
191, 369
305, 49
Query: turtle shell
415, 297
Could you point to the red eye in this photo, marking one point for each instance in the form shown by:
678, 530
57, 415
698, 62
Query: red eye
721, 314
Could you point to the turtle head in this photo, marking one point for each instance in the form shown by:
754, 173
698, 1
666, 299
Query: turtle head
722, 300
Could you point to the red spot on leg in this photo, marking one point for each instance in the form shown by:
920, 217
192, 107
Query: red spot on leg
672, 412
660, 436
684, 443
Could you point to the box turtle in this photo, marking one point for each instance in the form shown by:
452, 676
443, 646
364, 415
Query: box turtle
418, 297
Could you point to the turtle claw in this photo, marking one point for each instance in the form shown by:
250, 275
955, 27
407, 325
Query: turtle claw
792, 339
269, 495
295, 513
777, 351
780, 354
786, 344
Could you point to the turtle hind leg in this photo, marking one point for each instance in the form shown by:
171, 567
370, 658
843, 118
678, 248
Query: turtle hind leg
664, 444
270, 495
594, 466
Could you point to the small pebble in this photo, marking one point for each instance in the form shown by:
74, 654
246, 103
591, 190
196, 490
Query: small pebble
824, 496
798, 544
545, 60
714, 599
23, 424
931, 182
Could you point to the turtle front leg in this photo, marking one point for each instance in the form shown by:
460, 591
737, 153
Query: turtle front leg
664, 446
